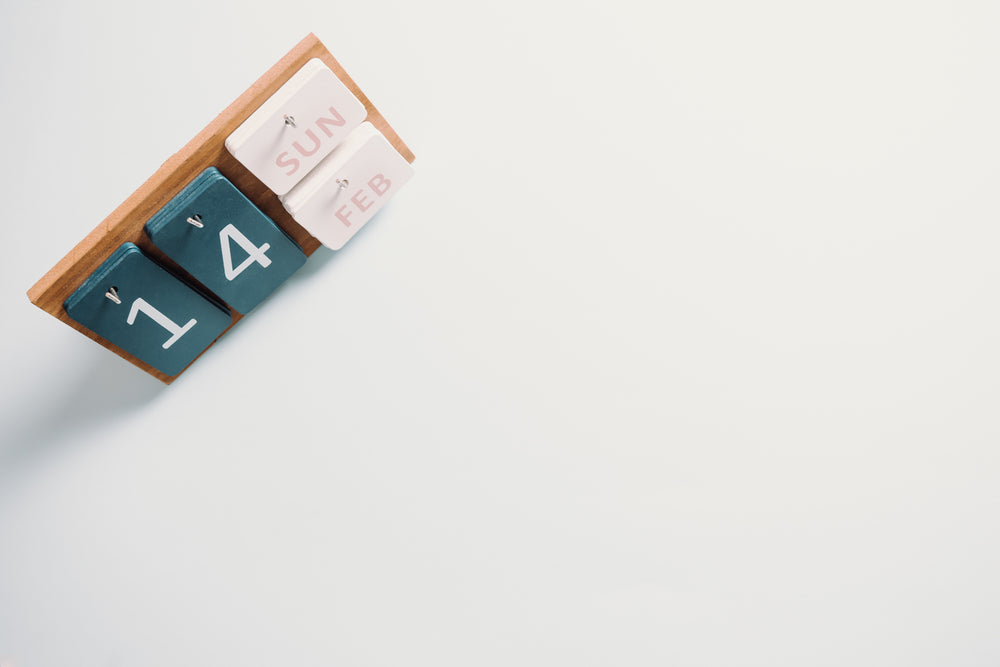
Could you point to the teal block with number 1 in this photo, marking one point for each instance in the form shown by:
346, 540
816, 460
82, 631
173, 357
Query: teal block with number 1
133, 302
225, 242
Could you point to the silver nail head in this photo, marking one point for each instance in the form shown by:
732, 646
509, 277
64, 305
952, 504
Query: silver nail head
289, 120
112, 294
196, 221
343, 183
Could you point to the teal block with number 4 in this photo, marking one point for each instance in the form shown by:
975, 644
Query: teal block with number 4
218, 236
133, 302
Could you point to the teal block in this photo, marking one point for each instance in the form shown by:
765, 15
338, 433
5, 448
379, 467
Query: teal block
161, 320
237, 252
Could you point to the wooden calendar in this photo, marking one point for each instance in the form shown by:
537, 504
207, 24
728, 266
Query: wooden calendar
302, 158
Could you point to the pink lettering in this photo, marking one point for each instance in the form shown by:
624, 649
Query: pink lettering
379, 184
360, 203
290, 162
343, 214
336, 121
316, 144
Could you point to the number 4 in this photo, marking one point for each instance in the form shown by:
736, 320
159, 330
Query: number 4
230, 233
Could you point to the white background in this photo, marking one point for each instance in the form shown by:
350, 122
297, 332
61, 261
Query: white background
681, 348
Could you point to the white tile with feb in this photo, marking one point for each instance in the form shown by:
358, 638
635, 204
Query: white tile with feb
348, 187
296, 127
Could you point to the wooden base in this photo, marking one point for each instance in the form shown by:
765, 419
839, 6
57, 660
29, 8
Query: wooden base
205, 150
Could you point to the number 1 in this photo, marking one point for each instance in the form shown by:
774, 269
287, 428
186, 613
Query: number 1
141, 304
